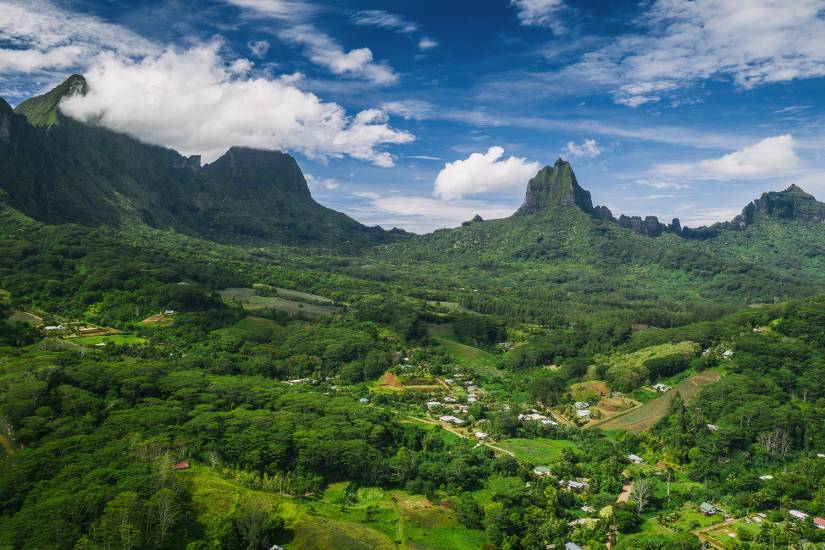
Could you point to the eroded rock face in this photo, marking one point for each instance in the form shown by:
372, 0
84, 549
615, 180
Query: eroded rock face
555, 187
791, 204
5, 121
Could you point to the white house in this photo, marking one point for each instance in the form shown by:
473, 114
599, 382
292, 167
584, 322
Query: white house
433, 404
583, 413
635, 459
481, 435
581, 404
661, 388
449, 419
798, 514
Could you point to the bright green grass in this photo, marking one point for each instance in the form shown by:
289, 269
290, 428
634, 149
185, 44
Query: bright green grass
537, 451
295, 294
116, 339
463, 354
25, 317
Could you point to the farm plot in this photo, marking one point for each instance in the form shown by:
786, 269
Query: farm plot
642, 418
251, 300
537, 451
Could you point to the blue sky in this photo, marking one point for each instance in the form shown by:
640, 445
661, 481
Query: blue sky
422, 114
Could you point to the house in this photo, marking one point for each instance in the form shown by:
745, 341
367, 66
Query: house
798, 514
364, 400
820, 455
728, 354
433, 404
572, 546
541, 471
635, 459
713, 427
573, 484
583, 413
481, 435
707, 508
449, 419
182, 465
766, 477
169, 312
819, 523
588, 509
472, 399
661, 388
581, 404
534, 416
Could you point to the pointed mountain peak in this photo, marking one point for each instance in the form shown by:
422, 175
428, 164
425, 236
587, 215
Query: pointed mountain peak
42, 110
555, 187
793, 203
259, 168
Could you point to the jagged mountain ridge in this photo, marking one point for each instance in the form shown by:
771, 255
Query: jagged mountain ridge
58, 170
556, 187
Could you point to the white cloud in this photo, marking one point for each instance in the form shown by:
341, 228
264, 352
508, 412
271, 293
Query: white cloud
191, 101
323, 50
47, 38
259, 48
284, 10
588, 148
384, 20
539, 13
482, 173
769, 156
329, 184
423, 214
426, 44
410, 109
660, 184
319, 47
752, 42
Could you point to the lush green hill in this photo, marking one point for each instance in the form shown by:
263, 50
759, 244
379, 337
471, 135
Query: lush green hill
58, 170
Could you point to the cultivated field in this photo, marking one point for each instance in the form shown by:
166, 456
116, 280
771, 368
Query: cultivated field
251, 300
537, 451
642, 418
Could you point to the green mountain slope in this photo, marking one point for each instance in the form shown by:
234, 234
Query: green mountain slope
58, 170
558, 253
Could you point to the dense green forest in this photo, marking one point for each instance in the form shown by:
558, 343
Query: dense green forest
294, 427
228, 364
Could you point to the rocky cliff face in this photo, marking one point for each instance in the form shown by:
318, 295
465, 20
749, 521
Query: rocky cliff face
791, 204
555, 187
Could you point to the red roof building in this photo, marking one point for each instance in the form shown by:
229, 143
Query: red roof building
182, 465
819, 523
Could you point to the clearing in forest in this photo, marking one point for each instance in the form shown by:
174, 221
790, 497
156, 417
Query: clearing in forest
251, 299
642, 418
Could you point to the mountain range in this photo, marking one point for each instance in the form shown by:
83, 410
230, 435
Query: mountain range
58, 170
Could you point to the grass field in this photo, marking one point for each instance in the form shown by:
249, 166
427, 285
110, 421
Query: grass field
26, 317
537, 451
116, 339
642, 418
295, 295
251, 301
464, 355
378, 519
249, 328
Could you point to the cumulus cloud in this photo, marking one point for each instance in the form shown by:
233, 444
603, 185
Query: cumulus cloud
539, 13
385, 20
323, 50
588, 148
47, 38
771, 155
195, 102
751, 42
426, 44
482, 173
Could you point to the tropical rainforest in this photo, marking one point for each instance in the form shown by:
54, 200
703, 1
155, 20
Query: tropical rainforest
204, 357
